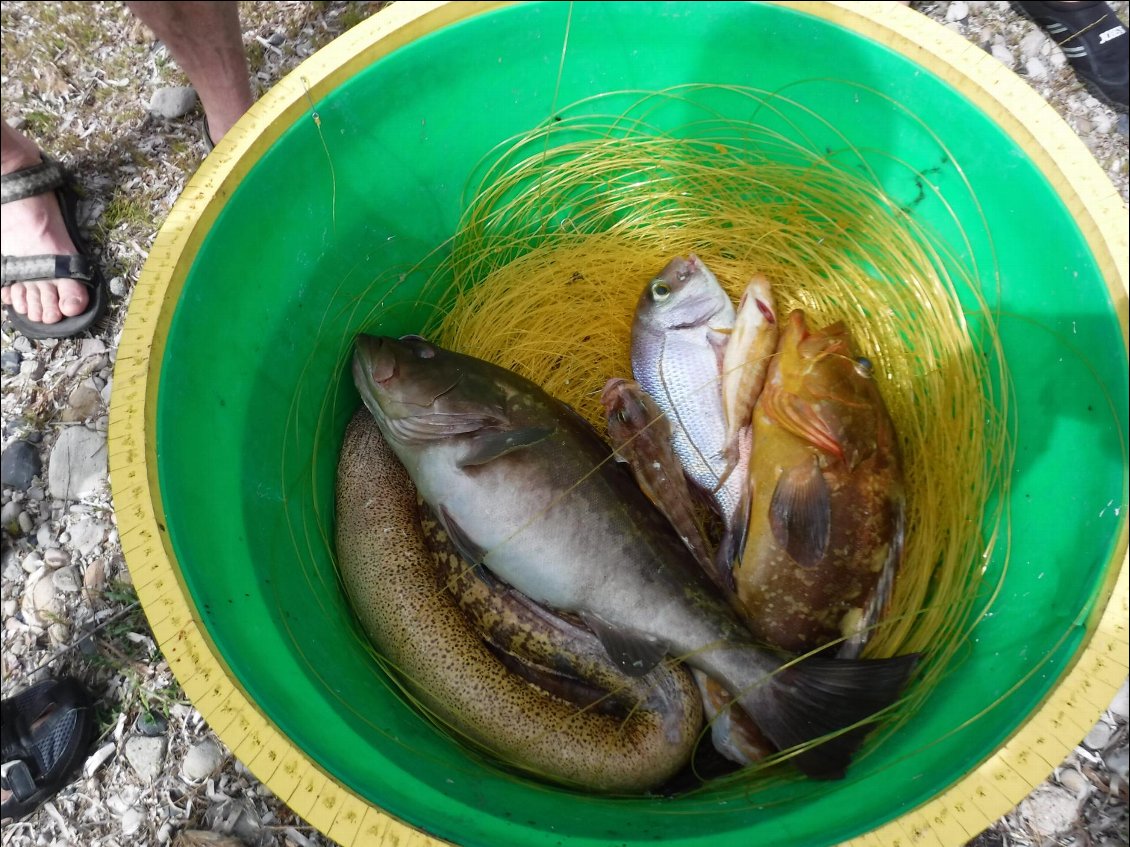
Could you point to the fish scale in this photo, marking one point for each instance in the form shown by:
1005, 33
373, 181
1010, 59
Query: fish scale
675, 358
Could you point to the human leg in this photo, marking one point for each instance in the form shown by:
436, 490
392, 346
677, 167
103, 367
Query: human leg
205, 41
33, 226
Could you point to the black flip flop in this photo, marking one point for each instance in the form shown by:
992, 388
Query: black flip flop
46, 732
28, 182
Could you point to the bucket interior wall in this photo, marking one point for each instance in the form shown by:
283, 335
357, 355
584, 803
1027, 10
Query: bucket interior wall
255, 394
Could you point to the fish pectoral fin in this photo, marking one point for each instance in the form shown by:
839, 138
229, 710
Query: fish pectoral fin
800, 514
634, 655
488, 445
471, 552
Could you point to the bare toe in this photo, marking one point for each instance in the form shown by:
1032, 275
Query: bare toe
48, 303
72, 296
33, 307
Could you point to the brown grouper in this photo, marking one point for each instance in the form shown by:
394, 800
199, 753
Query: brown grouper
527, 489
390, 577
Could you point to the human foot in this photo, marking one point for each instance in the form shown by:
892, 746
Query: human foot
34, 226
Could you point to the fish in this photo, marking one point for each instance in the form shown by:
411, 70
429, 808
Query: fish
746, 360
390, 579
641, 438
526, 488
679, 335
732, 732
556, 654
827, 520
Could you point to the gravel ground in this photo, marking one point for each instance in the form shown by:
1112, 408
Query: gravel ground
80, 78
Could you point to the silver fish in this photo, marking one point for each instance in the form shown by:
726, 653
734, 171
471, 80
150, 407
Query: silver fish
524, 486
679, 337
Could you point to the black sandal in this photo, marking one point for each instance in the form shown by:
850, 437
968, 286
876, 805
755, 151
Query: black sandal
1094, 42
46, 732
28, 182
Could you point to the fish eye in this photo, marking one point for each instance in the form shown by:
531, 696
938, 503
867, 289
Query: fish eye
660, 291
622, 416
863, 367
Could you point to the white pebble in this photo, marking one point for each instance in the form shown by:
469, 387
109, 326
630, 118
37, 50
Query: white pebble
957, 11
146, 755
131, 821
1074, 782
32, 562
1035, 68
43, 536
59, 633
56, 557
201, 760
67, 580
1004, 55
1120, 705
1098, 737
1049, 810
24, 520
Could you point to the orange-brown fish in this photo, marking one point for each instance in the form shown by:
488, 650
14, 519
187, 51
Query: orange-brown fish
826, 526
641, 438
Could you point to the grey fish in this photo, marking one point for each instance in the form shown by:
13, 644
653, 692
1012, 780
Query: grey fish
524, 486
682, 324
390, 578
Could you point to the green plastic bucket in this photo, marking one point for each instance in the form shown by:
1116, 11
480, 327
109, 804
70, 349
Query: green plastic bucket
230, 402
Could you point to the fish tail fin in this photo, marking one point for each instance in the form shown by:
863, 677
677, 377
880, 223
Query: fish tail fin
827, 697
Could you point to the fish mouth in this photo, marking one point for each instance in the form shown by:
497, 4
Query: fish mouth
377, 358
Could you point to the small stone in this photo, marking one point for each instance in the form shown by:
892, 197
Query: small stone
10, 362
35, 492
1104, 122
1033, 43
12, 569
82, 405
94, 580
1004, 55
56, 557
19, 463
87, 535
131, 821
1057, 59
175, 102
1119, 707
1118, 760
1098, 737
1074, 782
78, 464
9, 608
1083, 126
276, 39
957, 11
24, 520
10, 517
201, 760
59, 634
146, 755
91, 347
150, 724
40, 605
43, 536
32, 562
66, 580
1049, 810
118, 287
32, 369
1035, 69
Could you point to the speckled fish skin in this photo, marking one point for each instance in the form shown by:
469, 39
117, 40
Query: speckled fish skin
748, 353
389, 576
679, 335
641, 437
556, 654
827, 515
526, 487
